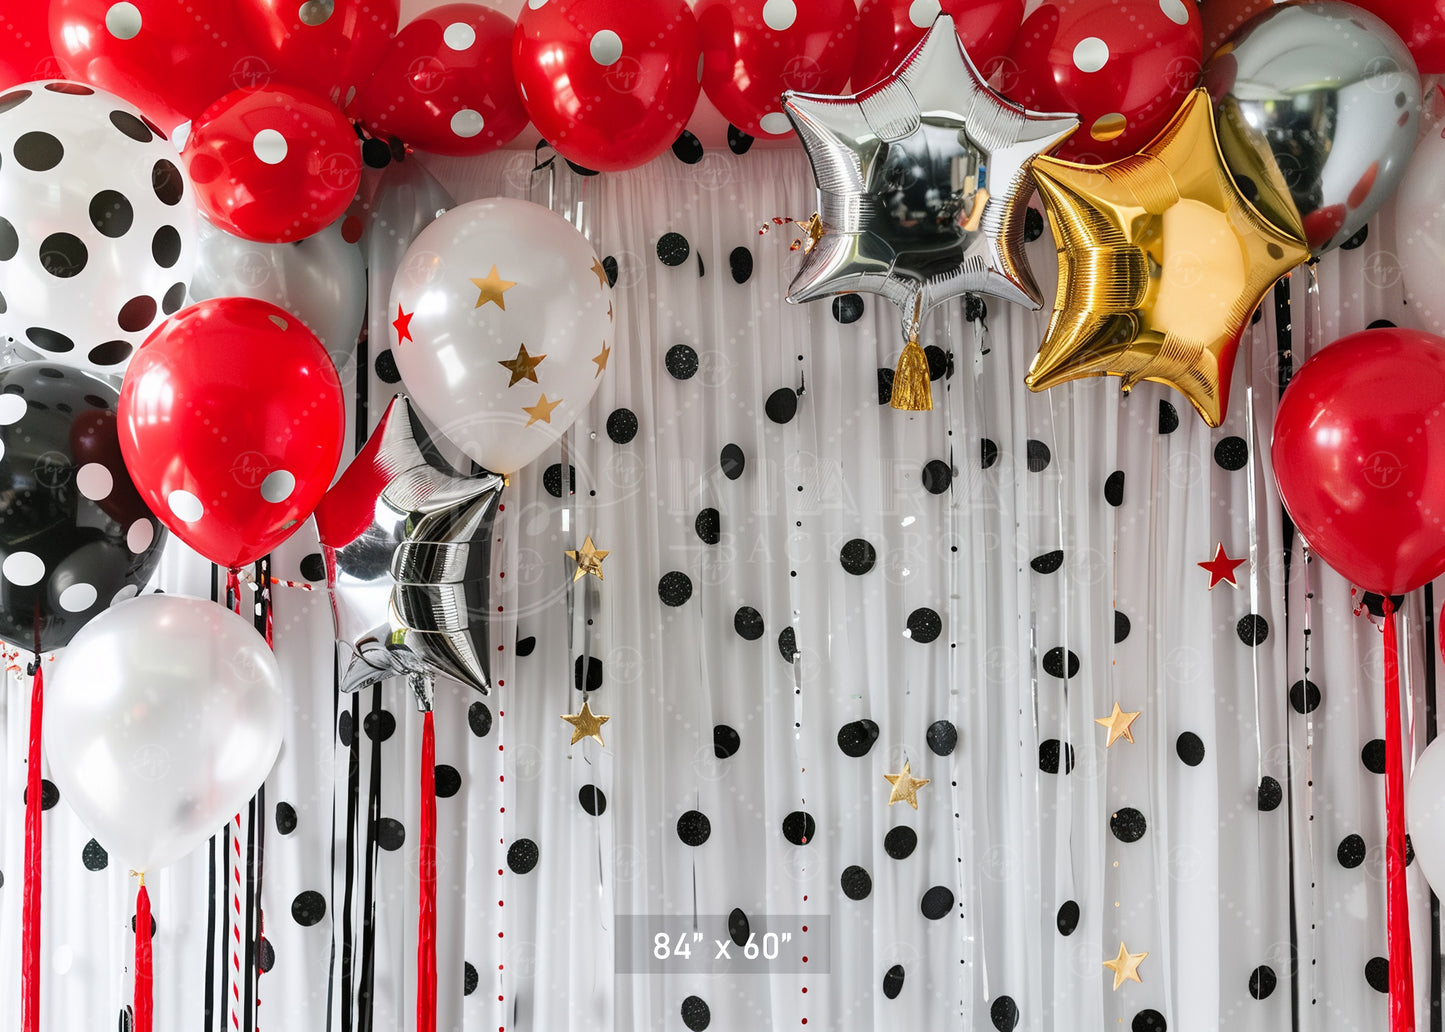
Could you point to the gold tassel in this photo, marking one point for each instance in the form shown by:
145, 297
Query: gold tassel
911, 389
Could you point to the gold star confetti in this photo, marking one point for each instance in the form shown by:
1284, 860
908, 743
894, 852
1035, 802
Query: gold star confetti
1125, 965
542, 411
601, 358
905, 787
492, 288
600, 272
523, 367
588, 560
587, 724
1118, 724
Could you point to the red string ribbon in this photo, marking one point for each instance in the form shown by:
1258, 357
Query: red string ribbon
233, 591
143, 971
30, 915
1397, 904
426, 944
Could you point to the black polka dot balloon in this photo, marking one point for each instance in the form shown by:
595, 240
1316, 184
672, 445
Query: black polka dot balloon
74, 533
97, 226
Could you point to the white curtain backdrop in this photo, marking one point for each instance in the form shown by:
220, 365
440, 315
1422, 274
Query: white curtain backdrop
805, 590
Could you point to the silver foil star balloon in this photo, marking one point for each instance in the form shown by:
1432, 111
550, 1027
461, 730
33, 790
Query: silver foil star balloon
407, 547
923, 180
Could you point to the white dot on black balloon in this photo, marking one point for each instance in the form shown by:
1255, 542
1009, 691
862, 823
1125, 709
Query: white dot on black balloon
23, 569
95, 481
127, 592
78, 598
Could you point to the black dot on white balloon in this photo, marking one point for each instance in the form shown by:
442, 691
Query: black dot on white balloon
448, 781
131, 126
733, 461
1377, 974
9, 240
1373, 756
49, 340
1038, 456
1190, 748
1067, 919
308, 908
285, 818
900, 842
112, 352
1270, 794
798, 827
379, 726
942, 737
740, 264
1004, 1014
672, 249
748, 623
1351, 851
725, 741
1252, 629
94, 856
166, 246
857, 737
469, 979
622, 426
385, 366
782, 405
63, 255
1232, 453
857, 556
1055, 755
174, 298
1048, 562
12, 99
687, 148
693, 828
708, 526
936, 902
987, 453
167, 182
847, 308
1262, 981
592, 800
937, 476
111, 214
695, 1014
893, 981
1059, 663
39, 151
522, 856
681, 362
136, 314
1128, 824
479, 719
674, 588
924, 625
855, 882
390, 834
1304, 696
1149, 1020
1168, 417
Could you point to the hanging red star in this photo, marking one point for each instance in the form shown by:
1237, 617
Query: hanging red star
1221, 568
402, 325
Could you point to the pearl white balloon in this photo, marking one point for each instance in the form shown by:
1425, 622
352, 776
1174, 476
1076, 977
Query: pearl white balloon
480, 283
1425, 813
162, 718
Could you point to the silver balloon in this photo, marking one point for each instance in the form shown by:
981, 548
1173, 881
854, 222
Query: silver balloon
407, 200
321, 280
923, 182
407, 547
1318, 106
162, 718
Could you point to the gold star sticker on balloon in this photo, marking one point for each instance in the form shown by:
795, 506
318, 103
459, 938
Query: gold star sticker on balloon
1125, 965
1161, 264
523, 367
601, 358
1118, 724
587, 724
542, 411
492, 288
905, 787
588, 559
600, 272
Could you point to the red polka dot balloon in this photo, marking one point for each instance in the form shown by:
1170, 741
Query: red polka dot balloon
1123, 65
273, 165
445, 85
326, 46
890, 29
609, 83
753, 50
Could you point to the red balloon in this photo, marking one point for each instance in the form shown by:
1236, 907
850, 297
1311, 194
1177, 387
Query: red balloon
231, 423
1420, 23
327, 47
170, 58
1123, 66
274, 164
446, 84
1222, 17
26, 55
753, 50
1359, 456
609, 83
888, 30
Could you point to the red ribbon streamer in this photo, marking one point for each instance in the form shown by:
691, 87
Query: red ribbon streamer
1397, 903
143, 971
30, 911
426, 944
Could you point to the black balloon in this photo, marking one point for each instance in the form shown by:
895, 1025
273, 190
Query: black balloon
74, 533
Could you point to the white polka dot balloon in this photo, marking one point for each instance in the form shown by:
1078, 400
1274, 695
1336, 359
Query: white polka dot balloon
97, 225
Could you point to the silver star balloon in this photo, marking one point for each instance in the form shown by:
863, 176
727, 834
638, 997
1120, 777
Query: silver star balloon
407, 547
923, 180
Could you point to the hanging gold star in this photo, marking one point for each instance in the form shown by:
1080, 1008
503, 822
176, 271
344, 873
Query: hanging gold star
542, 411
601, 358
600, 272
587, 724
905, 787
588, 560
1118, 724
492, 288
1125, 965
523, 367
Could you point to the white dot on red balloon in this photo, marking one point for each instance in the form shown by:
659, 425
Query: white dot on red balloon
185, 506
281, 323
459, 35
77, 598
780, 14
606, 47
1175, 11
1090, 54
774, 122
140, 535
466, 123
94, 481
922, 12
12, 409
536, 5
129, 591
123, 21
270, 146
316, 12
700, 62
277, 486
23, 568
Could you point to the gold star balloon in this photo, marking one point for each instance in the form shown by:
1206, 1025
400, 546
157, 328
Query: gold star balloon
1161, 264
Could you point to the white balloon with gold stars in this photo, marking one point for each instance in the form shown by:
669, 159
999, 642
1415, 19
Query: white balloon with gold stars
503, 326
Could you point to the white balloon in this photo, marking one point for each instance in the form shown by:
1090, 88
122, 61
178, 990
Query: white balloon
162, 718
480, 284
1420, 232
98, 238
1425, 813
